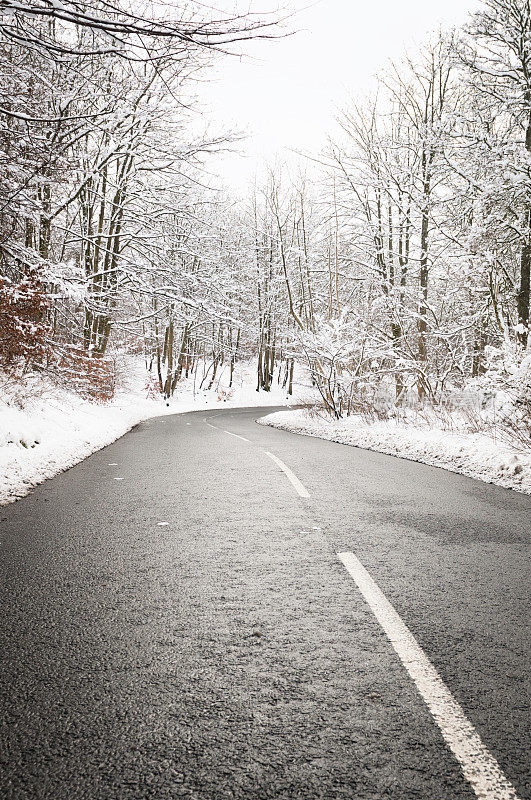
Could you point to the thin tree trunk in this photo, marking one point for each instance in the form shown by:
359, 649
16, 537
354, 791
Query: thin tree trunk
522, 299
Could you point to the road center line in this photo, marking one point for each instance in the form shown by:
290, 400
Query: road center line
479, 767
295, 482
237, 436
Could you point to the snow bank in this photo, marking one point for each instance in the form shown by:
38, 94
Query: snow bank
472, 454
45, 430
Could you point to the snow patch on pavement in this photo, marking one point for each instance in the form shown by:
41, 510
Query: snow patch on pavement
473, 454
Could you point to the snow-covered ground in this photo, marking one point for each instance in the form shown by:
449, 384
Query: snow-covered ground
473, 454
45, 430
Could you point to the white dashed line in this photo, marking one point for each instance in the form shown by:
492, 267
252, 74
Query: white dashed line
295, 482
237, 436
215, 427
479, 767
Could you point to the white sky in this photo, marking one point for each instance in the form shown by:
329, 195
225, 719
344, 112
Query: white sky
285, 93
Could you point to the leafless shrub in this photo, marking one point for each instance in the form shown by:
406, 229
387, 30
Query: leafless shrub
91, 376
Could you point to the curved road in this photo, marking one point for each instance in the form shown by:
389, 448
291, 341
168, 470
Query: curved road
177, 622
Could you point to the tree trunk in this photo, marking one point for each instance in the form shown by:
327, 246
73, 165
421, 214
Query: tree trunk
422, 325
522, 298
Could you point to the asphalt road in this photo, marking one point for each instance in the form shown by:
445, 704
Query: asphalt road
228, 653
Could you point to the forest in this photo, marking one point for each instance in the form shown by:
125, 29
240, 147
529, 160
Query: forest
396, 270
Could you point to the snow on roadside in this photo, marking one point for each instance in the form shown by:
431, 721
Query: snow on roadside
472, 454
45, 430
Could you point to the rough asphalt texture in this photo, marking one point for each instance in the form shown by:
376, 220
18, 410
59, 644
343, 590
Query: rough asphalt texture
229, 654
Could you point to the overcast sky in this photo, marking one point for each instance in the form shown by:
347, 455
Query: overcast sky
285, 93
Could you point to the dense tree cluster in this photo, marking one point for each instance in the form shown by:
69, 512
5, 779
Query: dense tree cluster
99, 210
403, 266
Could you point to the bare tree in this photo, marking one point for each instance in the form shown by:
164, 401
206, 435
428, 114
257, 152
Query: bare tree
496, 52
100, 28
